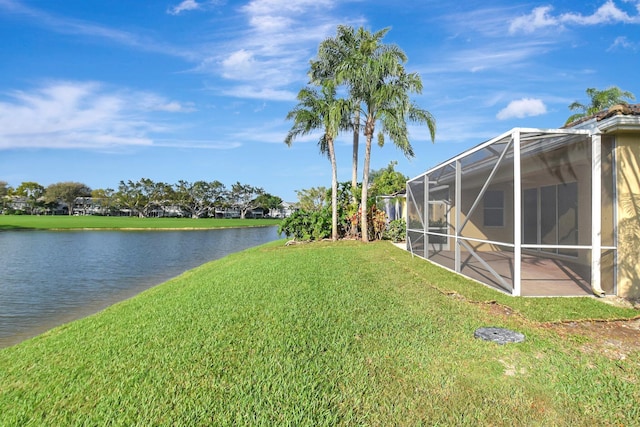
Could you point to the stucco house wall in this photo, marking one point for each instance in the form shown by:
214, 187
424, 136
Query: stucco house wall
628, 214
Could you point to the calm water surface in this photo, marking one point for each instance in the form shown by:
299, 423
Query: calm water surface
48, 278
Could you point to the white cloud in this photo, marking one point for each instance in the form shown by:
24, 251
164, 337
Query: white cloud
525, 107
624, 44
151, 102
188, 5
538, 18
65, 25
270, 23
541, 17
606, 14
184, 5
80, 115
488, 21
175, 107
257, 92
492, 56
273, 51
266, 7
238, 65
269, 46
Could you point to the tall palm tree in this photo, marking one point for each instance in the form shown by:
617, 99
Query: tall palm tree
600, 100
322, 110
379, 81
348, 43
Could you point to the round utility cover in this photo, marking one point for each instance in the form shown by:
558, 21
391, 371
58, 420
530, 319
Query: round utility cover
499, 335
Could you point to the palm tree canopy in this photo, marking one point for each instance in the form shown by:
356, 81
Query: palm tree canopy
335, 50
383, 85
319, 110
600, 100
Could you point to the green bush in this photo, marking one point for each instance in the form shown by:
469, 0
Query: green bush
396, 230
305, 225
316, 224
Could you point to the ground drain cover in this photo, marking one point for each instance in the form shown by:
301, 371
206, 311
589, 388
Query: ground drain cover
499, 335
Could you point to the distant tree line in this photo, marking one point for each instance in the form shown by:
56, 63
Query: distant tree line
142, 198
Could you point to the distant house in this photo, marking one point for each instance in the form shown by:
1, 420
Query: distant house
286, 210
393, 205
538, 212
89, 206
31, 207
19, 203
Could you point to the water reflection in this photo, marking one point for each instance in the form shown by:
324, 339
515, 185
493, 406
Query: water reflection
52, 277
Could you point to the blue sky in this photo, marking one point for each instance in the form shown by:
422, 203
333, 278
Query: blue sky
102, 91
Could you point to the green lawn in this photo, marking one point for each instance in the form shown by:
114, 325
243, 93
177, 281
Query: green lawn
319, 334
8, 222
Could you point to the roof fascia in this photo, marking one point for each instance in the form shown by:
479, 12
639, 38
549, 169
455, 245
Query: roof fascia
619, 123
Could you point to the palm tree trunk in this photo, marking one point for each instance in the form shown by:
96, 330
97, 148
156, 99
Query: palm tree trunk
365, 190
356, 142
334, 192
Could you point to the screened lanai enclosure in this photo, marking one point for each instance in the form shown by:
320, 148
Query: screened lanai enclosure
529, 212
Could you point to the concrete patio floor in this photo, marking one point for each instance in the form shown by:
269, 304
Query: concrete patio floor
541, 276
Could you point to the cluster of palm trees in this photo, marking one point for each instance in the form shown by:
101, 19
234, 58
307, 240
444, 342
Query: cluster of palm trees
377, 91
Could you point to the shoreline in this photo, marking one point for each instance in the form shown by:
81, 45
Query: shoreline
145, 228
136, 228
108, 296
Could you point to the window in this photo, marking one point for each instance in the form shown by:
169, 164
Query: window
568, 217
494, 208
550, 217
530, 216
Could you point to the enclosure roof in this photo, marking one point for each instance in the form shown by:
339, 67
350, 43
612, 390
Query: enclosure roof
554, 137
616, 110
621, 117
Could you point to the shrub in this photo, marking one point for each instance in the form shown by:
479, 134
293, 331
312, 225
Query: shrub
396, 230
316, 224
305, 225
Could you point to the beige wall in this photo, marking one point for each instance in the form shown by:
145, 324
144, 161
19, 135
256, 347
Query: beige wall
628, 214
565, 165
475, 227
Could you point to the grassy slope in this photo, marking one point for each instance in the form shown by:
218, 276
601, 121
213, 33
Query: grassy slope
319, 334
8, 222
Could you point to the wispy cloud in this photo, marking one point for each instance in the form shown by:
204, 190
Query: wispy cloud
542, 17
272, 132
80, 115
263, 93
266, 51
66, 25
477, 42
196, 144
485, 21
495, 55
623, 43
189, 5
525, 107
184, 5
273, 50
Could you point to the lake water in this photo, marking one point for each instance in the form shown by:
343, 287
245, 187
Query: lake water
48, 278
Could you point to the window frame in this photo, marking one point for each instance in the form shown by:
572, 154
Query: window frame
486, 209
